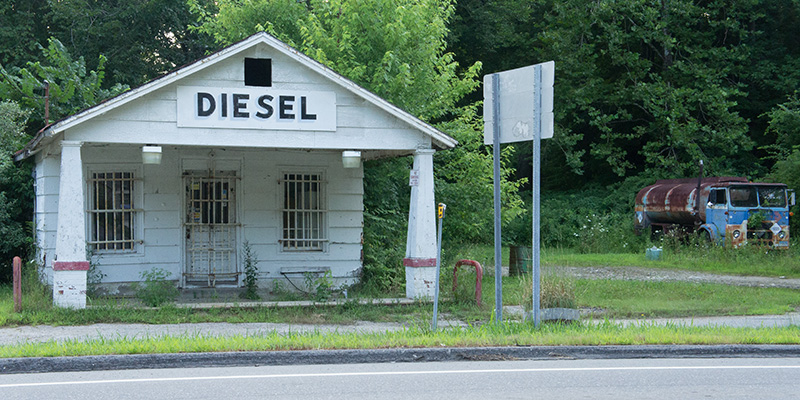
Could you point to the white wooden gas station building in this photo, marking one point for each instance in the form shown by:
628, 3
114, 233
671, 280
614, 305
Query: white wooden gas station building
255, 143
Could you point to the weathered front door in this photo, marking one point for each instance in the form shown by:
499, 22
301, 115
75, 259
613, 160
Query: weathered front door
210, 226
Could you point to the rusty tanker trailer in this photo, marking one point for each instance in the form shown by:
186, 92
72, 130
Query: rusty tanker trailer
723, 210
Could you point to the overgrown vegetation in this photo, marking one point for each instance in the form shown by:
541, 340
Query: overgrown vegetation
15, 193
319, 286
250, 261
557, 290
614, 298
155, 288
72, 88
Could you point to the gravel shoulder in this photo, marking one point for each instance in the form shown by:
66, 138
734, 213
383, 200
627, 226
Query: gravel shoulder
45, 333
660, 275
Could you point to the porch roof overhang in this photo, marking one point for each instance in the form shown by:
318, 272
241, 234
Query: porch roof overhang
52, 131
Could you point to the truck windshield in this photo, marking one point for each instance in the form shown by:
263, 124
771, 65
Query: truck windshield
770, 196
744, 196
751, 196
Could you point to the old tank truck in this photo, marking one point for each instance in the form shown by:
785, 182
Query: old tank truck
723, 210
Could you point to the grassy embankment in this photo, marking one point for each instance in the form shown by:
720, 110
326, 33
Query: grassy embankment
506, 334
616, 298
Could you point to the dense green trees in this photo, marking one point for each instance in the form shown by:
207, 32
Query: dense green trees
16, 192
643, 88
141, 39
646, 86
72, 88
21, 30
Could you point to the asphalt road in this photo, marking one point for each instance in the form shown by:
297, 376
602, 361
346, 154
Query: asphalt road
740, 378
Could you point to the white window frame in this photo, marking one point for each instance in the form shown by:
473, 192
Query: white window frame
307, 228
119, 244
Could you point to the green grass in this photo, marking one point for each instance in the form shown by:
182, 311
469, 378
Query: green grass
116, 312
616, 297
631, 299
506, 334
748, 261
680, 299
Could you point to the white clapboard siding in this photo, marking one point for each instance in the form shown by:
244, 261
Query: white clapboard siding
46, 210
160, 196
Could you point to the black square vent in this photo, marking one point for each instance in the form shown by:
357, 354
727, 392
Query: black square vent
258, 72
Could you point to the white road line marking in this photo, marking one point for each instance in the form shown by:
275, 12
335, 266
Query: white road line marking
387, 373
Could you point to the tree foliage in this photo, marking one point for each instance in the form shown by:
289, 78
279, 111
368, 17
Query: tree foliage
784, 125
72, 88
650, 84
646, 86
15, 189
141, 38
21, 29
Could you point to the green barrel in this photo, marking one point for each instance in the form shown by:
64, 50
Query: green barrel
519, 260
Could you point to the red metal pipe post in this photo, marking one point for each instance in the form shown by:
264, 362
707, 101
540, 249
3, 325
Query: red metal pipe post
478, 277
17, 284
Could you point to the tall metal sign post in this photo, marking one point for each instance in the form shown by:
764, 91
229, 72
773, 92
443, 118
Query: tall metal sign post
517, 107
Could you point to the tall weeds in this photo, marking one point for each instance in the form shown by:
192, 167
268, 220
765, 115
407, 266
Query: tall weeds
556, 290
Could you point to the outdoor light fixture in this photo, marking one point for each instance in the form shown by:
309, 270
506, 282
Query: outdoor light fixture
351, 159
151, 154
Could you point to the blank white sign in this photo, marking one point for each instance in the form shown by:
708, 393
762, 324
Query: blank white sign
516, 97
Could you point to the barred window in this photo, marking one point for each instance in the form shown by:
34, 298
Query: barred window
112, 214
303, 212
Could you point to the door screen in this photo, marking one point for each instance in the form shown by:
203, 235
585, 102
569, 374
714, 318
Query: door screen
211, 229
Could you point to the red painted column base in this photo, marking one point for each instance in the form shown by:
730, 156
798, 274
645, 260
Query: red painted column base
70, 265
419, 262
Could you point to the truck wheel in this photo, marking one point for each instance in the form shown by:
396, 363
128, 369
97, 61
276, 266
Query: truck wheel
705, 237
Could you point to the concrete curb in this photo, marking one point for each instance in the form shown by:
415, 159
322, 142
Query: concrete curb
239, 359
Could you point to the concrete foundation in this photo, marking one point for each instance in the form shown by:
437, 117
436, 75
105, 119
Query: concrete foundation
69, 289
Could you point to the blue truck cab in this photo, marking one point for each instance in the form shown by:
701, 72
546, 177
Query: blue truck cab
728, 211
752, 212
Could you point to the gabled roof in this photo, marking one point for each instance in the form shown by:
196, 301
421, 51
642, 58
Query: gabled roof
439, 138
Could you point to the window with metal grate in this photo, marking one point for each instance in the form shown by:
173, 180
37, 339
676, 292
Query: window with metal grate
304, 212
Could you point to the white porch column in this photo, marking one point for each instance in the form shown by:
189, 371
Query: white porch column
420, 260
70, 265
